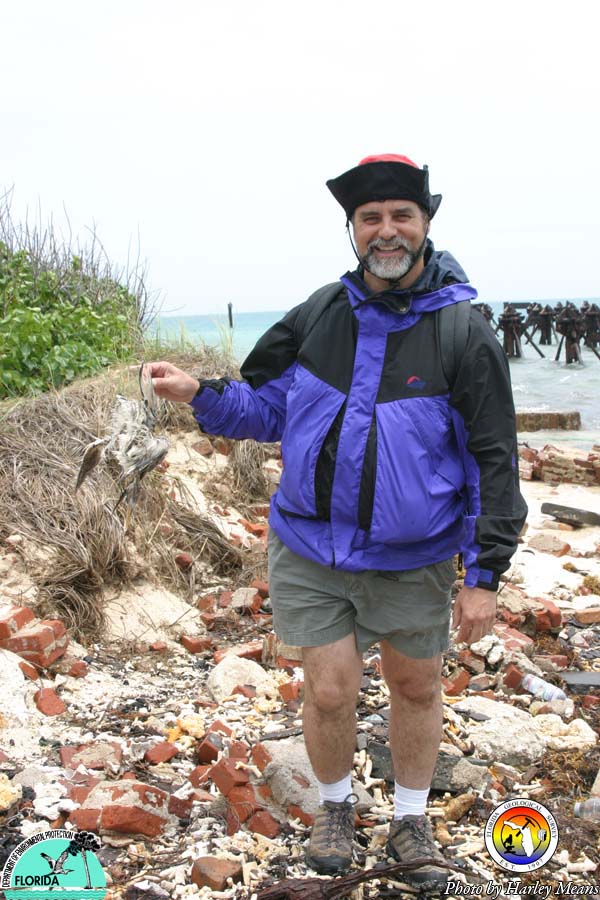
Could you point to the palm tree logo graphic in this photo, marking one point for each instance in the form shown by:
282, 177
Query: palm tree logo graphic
82, 843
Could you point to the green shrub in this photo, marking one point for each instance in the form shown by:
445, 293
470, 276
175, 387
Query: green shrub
65, 314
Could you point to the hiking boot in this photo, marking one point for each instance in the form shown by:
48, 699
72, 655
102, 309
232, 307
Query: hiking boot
411, 839
330, 845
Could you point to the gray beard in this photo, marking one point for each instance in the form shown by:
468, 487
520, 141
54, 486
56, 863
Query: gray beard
391, 269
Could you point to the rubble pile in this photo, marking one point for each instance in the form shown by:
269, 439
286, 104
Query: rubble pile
555, 465
177, 738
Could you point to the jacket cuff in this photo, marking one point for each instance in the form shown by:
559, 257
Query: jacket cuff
204, 401
482, 578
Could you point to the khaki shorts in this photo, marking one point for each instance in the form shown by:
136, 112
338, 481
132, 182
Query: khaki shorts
314, 605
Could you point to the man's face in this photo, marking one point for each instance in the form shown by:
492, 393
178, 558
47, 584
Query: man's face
390, 236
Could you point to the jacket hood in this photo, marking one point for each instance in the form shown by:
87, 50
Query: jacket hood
442, 282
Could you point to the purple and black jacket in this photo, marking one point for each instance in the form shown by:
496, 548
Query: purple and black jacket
386, 465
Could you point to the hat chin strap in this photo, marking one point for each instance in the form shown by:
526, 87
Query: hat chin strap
391, 281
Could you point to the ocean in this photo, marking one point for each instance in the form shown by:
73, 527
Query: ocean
538, 384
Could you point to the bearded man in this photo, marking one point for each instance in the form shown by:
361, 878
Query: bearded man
399, 449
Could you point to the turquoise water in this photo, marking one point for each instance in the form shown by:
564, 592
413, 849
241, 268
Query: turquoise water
540, 384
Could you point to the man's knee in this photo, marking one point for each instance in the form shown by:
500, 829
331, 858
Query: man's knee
414, 680
332, 675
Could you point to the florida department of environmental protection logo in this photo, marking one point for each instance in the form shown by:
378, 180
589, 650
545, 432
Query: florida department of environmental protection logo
55, 865
521, 835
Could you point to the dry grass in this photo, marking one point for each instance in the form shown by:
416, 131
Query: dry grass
77, 544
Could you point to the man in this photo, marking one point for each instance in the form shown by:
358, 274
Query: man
392, 465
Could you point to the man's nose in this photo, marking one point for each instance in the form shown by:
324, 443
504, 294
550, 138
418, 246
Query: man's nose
387, 230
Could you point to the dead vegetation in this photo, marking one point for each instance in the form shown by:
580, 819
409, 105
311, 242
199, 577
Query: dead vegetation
78, 544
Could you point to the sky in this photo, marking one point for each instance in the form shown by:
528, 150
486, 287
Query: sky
199, 135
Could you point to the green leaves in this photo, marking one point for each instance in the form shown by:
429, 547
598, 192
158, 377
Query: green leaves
52, 331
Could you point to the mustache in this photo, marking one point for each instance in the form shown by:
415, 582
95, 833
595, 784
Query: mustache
394, 244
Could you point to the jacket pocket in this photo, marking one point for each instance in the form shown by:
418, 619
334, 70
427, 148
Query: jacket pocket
312, 407
412, 500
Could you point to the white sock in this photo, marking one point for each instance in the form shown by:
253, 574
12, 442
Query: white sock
337, 791
408, 802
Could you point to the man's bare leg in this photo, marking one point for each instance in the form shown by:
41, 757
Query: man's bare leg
332, 676
415, 726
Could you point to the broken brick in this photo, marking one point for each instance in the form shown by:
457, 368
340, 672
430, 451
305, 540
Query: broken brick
512, 677
226, 775
28, 670
196, 644
243, 801
214, 873
48, 702
209, 749
79, 669
219, 727
13, 619
184, 561
200, 775
263, 823
160, 753
456, 683
261, 756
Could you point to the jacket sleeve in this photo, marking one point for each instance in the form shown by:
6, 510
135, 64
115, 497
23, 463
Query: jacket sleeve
255, 407
486, 431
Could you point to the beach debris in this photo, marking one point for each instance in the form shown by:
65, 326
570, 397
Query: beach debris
130, 442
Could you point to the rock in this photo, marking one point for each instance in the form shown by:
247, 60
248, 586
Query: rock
9, 793
290, 777
459, 806
99, 755
381, 757
549, 543
570, 515
548, 421
246, 600
581, 681
457, 774
212, 872
203, 447
234, 670
558, 735
590, 616
508, 736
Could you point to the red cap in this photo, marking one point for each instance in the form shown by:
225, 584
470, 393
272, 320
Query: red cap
388, 157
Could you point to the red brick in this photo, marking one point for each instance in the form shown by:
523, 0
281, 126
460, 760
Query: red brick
512, 677
196, 644
13, 619
288, 664
265, 791
221, 445
201, 796
263, 823
48, 702
39, 642
126, 806
559, 660
78, 793
546, 616
212, 619
209, 871
184, 561
290, 691
180, 806
590, 616
29, 671
207, 603
261, 756
456, 683
246, 690
238, 750
473, 664
243, 802
199, 775
590, 701
209, 749
225, 599
219, 727
296, 812
225, 775
203, 447
160, 753
250, 650
481, 682
96, 755
513, 639
158, 646
512, 619
262, 587
79, 669
3, 757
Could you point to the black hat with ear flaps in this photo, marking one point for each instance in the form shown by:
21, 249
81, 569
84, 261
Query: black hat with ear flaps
384, 177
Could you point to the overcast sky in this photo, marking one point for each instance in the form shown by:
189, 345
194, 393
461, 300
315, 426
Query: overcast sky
209, 130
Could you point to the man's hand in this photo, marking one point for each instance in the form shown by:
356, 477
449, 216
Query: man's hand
474, 614
171, 383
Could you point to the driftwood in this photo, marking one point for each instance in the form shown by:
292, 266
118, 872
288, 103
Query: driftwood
334, 889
